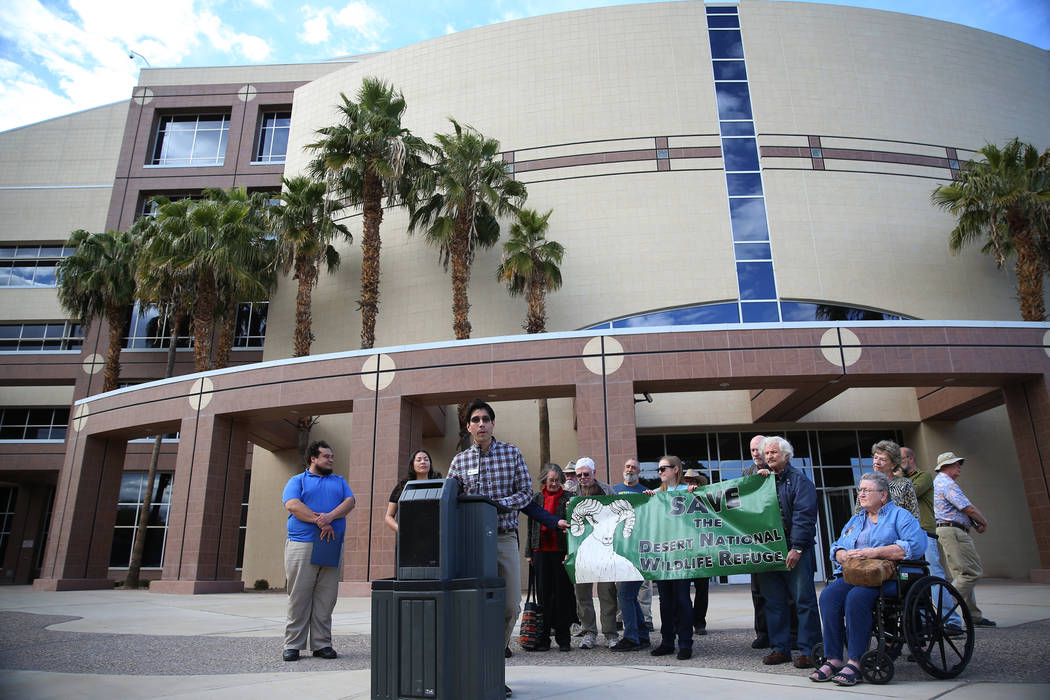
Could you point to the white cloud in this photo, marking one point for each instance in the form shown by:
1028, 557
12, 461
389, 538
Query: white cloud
357, 23
361, 18
315, 27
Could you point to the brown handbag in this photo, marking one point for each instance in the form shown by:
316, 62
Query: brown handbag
867, 572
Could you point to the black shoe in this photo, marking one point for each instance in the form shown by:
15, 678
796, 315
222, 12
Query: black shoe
953, 631
984, 622
760, 643
325, 653
507, 689
649, 626
662, 651
619, 626
625, 644
685, 654
291, 655
507, 653
700, 630
564, 646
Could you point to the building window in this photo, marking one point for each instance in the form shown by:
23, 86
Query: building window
33, 423
191, 139
273, 137
132, 490
35, 337
243, 532
31, 265
148, 329
45, 528
251, 324
149, 207
7, 516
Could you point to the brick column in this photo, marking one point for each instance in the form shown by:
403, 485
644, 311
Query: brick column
1028, 406
605, 426
200, 552
85, 511
380, 444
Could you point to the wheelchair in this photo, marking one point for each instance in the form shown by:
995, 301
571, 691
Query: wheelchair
910, 614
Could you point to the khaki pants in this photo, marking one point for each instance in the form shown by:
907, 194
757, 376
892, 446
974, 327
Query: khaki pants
963, 563
312, 592
508, 567
607, 601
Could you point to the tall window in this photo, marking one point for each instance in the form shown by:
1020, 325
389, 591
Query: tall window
243, 531
147, 328
191, 139
34, 337
30, 265
132, 490
273, 137
7, 516
33, 423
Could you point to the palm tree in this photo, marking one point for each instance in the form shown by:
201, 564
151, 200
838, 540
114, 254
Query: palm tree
305, 232
98, 281
530, 266
1003, 200
367, 156
217, 240
462, 194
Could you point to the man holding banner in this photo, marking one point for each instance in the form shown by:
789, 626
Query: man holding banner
797, 497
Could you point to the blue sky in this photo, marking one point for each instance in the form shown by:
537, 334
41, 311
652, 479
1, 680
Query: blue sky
63, 56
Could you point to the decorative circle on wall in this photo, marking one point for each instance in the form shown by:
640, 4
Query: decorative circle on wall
143, 96
378, 372
93, 364
201, 393
592, 355
247, 93
80, 417
851, 350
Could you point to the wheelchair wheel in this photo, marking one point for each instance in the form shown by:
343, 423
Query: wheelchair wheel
818, 654
939, 653
876, 667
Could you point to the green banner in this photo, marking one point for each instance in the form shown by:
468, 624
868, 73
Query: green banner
732, 527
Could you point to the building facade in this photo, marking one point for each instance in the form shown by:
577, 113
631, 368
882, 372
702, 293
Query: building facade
707, 166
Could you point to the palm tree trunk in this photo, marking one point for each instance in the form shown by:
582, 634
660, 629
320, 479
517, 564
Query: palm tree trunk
370, 244
545, 433
536, 320
115, 319
203, 318
1029, 269
229, 329
460, 279
131, 581
306, 273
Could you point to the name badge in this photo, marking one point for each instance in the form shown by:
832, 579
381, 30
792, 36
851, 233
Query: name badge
473, 471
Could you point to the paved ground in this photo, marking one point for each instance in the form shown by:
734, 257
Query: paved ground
105, 644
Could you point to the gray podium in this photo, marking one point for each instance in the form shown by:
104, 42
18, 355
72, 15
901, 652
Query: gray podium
437, 627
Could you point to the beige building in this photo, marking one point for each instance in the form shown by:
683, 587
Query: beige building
708, 166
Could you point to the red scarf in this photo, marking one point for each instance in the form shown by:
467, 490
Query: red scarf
548, 537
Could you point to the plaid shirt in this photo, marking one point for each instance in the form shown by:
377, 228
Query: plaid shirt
500, 474
949, 501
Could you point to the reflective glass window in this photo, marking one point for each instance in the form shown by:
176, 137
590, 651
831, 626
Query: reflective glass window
726, 44
723, 21
753, 251
721, 9
734, 100
744, 184
748, 218
730, 70
755, 280
738, 128
191, 139
692, 316
740, 154
759, 312
273, 137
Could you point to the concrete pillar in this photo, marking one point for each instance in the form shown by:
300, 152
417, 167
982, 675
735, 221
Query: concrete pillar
1028, 406
384, 433
200, 552
85, 511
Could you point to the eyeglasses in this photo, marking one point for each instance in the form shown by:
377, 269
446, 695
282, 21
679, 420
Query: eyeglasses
864, 492
480, 419
584, 475
662, 468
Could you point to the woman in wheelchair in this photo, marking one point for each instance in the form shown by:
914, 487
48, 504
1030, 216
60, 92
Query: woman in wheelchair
881, 530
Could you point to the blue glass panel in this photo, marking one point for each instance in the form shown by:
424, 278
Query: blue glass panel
734, 100
753, 251
721, 9
805, 311
744, 184
726, 44
759, 312
748, 217
723, 22
730, 70
755, 280
740, 154
738, 128
692, 316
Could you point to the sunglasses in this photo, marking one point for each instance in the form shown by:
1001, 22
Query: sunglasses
662, 469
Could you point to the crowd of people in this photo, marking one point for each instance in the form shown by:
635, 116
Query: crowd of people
902, 512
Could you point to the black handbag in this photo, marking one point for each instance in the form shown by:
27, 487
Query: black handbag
532, 618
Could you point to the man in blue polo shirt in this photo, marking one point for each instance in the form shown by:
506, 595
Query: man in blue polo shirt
317, 501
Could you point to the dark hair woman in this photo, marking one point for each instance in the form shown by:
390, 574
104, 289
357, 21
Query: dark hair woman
419, 467
546, 551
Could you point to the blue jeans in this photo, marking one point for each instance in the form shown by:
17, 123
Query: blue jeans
781, 587
676, 613
634, 627
841, 602
933, 558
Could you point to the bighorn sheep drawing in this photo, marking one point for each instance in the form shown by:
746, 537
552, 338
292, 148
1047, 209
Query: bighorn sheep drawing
595, 558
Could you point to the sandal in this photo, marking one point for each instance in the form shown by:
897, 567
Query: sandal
824, 673
847, 675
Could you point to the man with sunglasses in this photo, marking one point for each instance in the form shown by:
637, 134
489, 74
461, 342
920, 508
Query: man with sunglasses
497, 470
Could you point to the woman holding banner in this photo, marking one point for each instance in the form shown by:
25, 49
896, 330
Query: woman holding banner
676, 609
881, 530
546, 551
